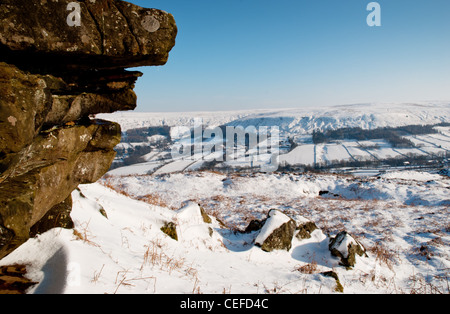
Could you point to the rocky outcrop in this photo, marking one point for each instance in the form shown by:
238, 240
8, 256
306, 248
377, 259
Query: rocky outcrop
62, 61
346, 247
277, 232
73, 34
304, 228
334, 275
193, 227
170, 228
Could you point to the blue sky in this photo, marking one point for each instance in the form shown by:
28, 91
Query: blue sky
250, 54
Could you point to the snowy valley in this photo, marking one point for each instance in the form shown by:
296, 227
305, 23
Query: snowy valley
161, 225
345, 139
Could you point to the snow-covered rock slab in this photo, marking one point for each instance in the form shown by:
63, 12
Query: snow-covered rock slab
196, 229
346, 247
277, 232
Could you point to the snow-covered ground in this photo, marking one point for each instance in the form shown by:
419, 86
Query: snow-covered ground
400, 218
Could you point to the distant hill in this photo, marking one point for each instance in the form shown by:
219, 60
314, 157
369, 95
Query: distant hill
303, 120
353, 136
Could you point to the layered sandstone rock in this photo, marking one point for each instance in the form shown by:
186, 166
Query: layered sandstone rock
60, 62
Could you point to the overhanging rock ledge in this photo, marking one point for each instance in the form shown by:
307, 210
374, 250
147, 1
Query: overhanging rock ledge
60, 62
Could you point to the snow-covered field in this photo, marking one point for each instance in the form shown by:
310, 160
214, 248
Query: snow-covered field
400, 218
295, 125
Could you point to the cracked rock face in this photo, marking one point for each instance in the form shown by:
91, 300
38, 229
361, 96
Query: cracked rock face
115, 34
62, 61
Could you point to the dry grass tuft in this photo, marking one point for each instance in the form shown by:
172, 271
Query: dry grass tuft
383, 255
310, 268
153, 199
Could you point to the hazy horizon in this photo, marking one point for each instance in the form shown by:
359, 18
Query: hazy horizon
374, 105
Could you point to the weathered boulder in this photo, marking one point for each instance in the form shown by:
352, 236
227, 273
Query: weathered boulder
346, 247
63, 145
192, 214
57, 217
255, 225
60, 62
277, 232
170, 228
334, 275
193, 226
48, 170
304, 228
24, 102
